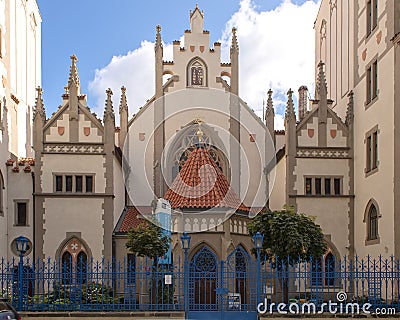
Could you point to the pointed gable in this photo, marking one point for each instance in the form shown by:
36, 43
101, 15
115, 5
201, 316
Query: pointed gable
73, 122
202, 185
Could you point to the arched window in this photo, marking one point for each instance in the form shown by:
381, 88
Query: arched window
66, 268
316, 272
238, 264
329, 269
203, 279
197, 73
371, 219
196, 135
1, 194
81, 267
372, 223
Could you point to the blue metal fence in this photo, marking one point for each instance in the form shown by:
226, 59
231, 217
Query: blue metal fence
236, 285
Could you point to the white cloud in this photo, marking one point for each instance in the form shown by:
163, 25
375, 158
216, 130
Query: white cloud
135, 71
276, 51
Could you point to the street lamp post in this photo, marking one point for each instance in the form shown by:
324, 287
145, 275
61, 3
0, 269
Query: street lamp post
258, 239
185, 239
22, 246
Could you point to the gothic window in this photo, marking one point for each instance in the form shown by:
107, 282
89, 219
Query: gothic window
203, 279
81, 267
66, 267
131, 267
373, 223
74, 261
238, 264
197, 74
316, 272
330, 269
322, 40
193, 139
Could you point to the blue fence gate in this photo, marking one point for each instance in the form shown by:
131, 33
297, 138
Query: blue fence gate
222, 289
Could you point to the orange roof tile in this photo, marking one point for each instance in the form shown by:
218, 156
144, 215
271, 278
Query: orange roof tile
132, 217
201, 184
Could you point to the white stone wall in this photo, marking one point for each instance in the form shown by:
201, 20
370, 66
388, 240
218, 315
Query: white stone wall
84, 216
20, 73
20, 188
349, 51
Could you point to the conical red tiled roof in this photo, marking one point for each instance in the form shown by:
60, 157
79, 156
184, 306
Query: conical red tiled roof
201, 185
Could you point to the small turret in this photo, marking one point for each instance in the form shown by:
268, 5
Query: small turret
290, 115
290, 147
158, 50
196, 20
270, 116
123, 118
322, 97
234, 55
73, 89
39, 120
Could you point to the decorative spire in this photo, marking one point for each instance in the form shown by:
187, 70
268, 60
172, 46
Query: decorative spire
289, 114
109, 111
158, 43
123, 103
234, 44
200, 134
73, 73
322, 89
350, 109
270, 107
39, 106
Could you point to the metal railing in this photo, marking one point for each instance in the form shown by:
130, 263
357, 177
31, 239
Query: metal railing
141, 285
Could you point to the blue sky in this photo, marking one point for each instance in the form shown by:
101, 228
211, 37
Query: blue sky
98, 30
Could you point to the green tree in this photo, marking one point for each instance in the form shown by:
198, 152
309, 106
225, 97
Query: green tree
148, 240
289, 238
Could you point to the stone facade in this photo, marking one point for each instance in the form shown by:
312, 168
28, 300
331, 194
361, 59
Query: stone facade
20, 71
92, 181
358, 42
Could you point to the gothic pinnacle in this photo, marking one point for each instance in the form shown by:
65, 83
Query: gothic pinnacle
158, 43
270, 108
39, 106
73, 73
109, 111
321, 81
123, 103
234, 44
290, 106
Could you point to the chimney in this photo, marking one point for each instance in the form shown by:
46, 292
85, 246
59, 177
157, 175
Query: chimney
303, 102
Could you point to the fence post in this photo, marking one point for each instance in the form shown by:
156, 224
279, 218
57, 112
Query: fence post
185, 240
22, 246
20, 281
